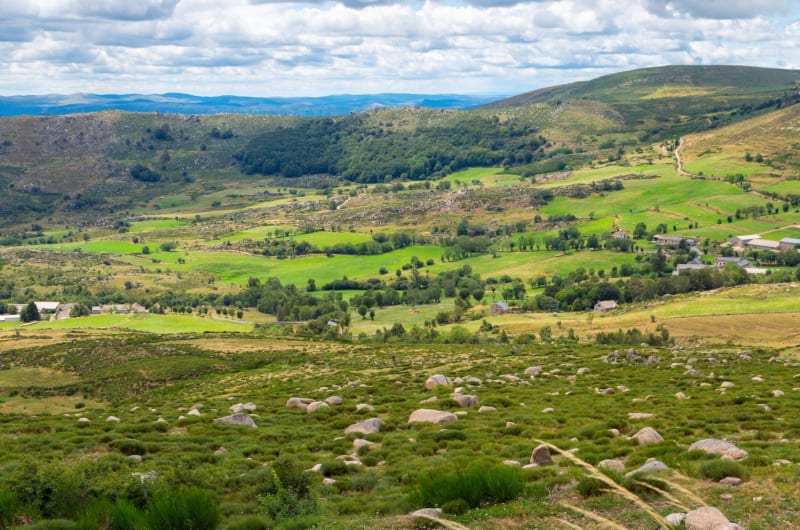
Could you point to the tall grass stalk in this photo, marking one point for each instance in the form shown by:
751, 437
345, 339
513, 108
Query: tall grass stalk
593, 516
596, 473
452, 525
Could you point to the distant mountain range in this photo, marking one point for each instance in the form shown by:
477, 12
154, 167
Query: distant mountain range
174, 103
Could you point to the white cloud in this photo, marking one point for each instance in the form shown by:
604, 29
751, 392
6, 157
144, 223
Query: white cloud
313, 48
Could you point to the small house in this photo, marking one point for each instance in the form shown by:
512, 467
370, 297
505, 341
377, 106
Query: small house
605, 305
764, 244
673, 240
789, 243
499, 308
686, 267
739, 262
741, 241
47, 307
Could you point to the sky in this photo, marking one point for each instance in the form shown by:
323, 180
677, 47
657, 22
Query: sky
277, 48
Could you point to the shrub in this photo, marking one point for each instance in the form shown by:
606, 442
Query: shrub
333, 468
189, 509
590, 487
718, 469
129, 446
456, 507
249, 522
476, 485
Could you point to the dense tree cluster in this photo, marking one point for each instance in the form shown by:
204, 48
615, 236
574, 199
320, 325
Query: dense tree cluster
353, 148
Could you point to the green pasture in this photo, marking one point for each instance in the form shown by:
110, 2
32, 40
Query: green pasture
237, 268
156, 225
255, 233
723, 164
589, 175
787, 187
777, 235
533, 264
328, 239
150, 323
488, 176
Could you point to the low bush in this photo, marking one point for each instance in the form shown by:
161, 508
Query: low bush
189, 509
478, 484
719, 469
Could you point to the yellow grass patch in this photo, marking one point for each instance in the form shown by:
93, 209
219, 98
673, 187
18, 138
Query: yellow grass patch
678, 92
46, 405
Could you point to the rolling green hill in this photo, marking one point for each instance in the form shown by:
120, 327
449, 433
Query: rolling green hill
85, 168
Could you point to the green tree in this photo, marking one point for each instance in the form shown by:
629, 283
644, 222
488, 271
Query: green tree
30, 313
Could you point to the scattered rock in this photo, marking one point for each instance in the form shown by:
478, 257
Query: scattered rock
329, 481
511, 377
112, 419
221, 451
533, 370
582, 371
135, 458
651, 466
315, 406
647, 436
605, 391
782, 462
614, 432
639, 415
726, 496
548, 410
334, 400
465, 400
719, 447
777, 393
726, 384
364, 406
757, 379
694, 373
436, 417
708, 518
428, 512
431, 399
613, 465
370, 426
485, 408
239, 407
675, 519
512, 463
474, 381
194, 412
358, 443
510, 424
236, 419
764, 406
437, 380
541, 456
161, 420
316, 468
731, 481
681, 395
298, 403
146, 478
84, 420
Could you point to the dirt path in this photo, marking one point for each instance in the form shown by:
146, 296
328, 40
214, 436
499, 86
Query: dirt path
681, 171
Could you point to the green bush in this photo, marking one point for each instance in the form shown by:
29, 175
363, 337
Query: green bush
455, 507
590, 487
189, 509
8, 506
478, 484
249, 522
333, 468
719, 469
53, 524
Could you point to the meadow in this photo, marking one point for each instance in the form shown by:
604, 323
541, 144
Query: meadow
141, 378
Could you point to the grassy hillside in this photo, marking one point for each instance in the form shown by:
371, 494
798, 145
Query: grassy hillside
88, 167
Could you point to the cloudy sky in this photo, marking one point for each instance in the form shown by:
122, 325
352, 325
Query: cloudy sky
278, 48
